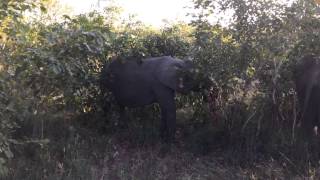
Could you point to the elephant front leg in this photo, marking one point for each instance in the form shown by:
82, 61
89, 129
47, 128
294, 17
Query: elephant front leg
168, 123
123, 119
168, 116
163, 125
171, 123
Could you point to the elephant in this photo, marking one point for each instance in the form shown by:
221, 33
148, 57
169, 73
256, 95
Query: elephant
136, 83
307, 81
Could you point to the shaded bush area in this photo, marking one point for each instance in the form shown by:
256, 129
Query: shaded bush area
57, 124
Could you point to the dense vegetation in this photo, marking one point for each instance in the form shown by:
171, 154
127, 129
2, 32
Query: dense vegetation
56, 124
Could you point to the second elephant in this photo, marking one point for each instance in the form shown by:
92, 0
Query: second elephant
308, 90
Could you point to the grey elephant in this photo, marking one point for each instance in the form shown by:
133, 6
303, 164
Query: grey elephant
137, 83
307, 82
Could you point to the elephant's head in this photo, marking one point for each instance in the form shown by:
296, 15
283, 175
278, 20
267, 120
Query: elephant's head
182, 76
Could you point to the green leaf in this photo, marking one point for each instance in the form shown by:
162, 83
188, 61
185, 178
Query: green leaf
43, 9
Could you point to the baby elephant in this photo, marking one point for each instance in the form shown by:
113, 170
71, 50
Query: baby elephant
137, 83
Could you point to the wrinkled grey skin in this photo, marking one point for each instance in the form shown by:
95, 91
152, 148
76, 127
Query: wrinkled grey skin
308, 90
152, 80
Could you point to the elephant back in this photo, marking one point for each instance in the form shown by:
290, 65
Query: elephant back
116, 70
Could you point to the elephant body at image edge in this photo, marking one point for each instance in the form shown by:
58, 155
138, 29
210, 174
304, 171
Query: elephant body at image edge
308, 90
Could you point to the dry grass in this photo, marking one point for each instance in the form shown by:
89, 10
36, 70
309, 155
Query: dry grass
82, 153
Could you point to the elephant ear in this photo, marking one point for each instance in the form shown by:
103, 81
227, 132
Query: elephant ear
168, 73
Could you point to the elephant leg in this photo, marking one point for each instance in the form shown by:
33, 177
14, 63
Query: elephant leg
163, 126
167, 104
316, 123
168, 126
308, 119
123, 122
106, 107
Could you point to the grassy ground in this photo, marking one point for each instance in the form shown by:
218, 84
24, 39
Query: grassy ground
83, 152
